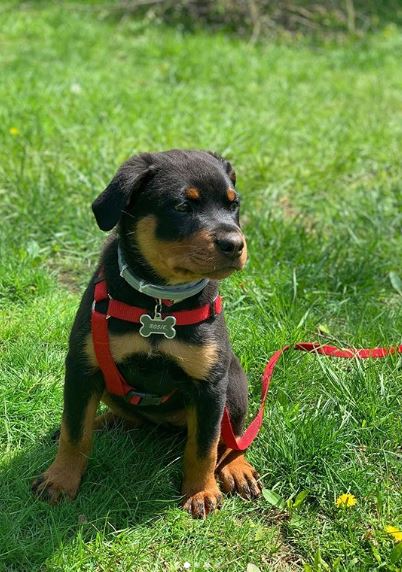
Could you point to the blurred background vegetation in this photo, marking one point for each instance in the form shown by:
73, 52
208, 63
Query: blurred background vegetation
256, 19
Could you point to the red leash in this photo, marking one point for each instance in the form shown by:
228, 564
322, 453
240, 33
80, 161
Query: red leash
244, 441
117, 385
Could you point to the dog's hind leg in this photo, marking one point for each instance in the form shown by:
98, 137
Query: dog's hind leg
117, 416
110, 420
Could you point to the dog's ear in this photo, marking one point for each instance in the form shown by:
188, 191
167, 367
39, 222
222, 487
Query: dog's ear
108, 206
228, 167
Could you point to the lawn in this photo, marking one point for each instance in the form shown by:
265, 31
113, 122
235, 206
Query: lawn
314, 131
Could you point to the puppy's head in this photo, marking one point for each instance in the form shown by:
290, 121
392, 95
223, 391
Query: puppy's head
179, 211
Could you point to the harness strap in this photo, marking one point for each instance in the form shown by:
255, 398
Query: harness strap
122, 311
100, 335
244, 441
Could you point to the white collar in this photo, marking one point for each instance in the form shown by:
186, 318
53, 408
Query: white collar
175, 293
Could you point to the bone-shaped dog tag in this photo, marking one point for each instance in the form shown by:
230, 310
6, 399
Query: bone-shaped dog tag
157, 325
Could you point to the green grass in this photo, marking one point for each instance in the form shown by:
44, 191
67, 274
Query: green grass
314, 131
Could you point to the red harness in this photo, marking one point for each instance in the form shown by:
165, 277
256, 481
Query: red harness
114, 381
117, 385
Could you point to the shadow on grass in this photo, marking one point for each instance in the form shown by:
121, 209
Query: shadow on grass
132, 479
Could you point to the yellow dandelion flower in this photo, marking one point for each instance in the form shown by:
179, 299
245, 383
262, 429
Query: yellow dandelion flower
346, 500
395, 532
14, 131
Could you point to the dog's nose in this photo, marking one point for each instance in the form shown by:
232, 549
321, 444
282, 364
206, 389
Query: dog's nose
230, 244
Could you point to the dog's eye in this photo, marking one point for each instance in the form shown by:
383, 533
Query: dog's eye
184, 207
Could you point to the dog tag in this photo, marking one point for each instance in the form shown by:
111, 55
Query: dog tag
157, 325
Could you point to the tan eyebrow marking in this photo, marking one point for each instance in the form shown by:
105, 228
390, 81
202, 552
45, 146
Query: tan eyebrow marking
231, 194
192, 193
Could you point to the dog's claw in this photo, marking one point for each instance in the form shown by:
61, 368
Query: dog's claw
240, 477
199, 505
52, 487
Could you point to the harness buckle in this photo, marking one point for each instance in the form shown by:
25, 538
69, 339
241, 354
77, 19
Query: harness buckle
146, 398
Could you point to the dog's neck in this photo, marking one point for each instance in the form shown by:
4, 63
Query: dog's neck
154, 287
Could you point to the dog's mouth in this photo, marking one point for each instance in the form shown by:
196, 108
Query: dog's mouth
221, 273
214, 273
196, 264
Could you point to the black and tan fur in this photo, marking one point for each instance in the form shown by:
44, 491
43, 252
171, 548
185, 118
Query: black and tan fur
176, 215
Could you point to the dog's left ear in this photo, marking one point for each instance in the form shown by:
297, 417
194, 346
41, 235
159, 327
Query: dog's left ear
228, 167
108, 206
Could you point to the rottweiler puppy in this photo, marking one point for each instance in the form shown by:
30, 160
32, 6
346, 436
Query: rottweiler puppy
176, 230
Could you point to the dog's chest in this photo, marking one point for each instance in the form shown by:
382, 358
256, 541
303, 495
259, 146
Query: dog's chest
132, 350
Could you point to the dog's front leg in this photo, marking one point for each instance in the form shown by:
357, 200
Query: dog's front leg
81, 399
200, 489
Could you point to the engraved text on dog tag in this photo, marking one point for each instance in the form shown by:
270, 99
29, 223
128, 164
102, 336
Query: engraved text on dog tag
157, 325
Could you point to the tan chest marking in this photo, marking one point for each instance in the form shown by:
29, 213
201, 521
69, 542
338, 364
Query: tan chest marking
195, 360
121, 347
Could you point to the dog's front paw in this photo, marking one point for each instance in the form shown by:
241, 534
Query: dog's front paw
202, 503
239, 476
56, 483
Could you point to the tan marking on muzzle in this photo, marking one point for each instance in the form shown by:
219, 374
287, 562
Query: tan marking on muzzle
176, 261
243, 256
